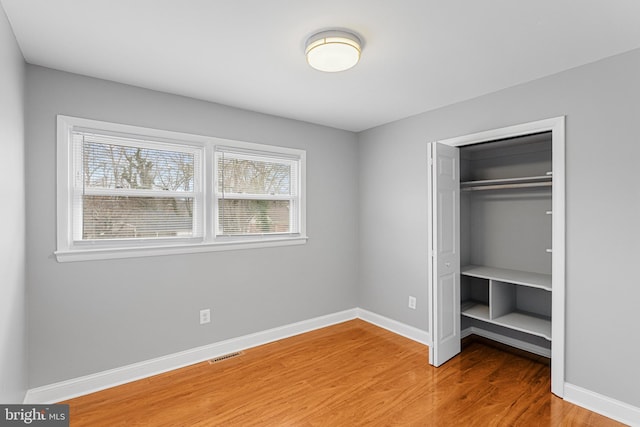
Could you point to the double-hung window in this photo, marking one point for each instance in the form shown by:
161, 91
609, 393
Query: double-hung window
126, 191
125, 188
256, 193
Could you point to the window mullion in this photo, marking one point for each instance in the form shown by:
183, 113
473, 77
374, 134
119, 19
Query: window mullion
210, 187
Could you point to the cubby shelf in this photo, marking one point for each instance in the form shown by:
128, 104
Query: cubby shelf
475, 310
519, 321
502, 308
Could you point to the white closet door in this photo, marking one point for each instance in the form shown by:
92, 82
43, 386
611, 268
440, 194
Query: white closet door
444, 259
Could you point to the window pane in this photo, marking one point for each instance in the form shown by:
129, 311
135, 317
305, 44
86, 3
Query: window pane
254, 216
237, 175
118, 166
117, 217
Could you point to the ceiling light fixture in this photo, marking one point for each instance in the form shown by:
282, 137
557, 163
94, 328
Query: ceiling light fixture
333, 50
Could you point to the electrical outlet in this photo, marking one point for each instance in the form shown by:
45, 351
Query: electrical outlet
205, 316
412, 302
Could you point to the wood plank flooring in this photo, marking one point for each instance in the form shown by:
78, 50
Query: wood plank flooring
350, 374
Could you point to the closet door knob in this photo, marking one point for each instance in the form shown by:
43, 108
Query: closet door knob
447, 264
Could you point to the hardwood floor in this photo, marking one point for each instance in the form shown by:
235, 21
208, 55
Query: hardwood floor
351, 374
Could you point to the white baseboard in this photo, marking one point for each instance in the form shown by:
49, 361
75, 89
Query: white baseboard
394, 326
102, 380
523, 345
603, 405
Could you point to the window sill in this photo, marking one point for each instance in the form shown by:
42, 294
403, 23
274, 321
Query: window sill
91, 254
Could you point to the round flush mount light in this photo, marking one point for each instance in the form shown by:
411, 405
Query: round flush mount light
333, 50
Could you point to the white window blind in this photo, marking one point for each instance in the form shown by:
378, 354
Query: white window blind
128, 188
256, 193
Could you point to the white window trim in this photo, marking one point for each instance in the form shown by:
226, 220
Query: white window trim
68, 250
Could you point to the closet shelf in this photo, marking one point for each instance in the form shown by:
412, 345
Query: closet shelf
516, 320
525, 322
507, 183
475, 310
524, 278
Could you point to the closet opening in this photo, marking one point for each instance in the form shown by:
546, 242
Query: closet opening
496, 241
505, 241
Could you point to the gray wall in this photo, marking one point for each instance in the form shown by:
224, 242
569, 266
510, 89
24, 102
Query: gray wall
602, 104
13, 366
87, 317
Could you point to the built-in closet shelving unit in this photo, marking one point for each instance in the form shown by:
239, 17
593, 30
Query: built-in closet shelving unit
506, 238
502, 308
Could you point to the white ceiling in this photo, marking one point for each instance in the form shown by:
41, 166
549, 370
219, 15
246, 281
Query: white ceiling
418, 54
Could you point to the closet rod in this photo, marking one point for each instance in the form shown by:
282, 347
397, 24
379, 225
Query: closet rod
507, 186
